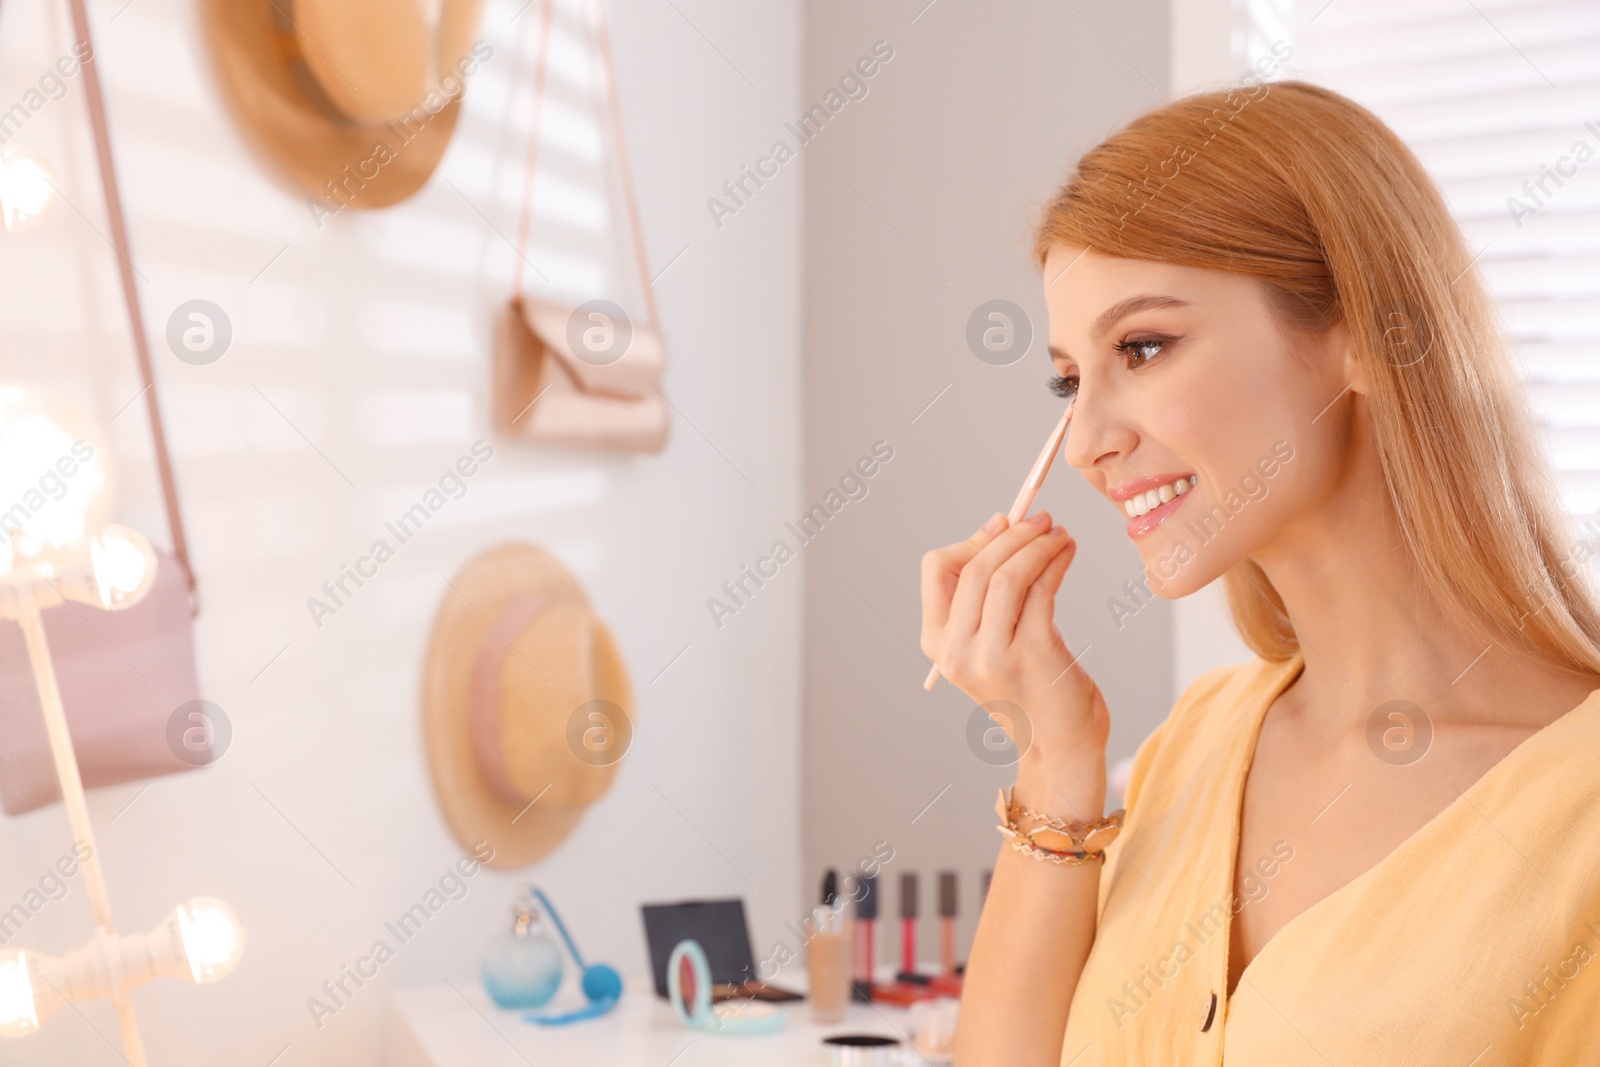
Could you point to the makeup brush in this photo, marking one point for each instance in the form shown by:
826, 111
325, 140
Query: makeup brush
1024, 501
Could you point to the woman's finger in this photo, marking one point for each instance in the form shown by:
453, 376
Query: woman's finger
1039, 609
941, 569
1010, 583
966, 607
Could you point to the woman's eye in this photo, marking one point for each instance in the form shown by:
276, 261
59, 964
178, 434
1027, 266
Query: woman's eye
1140, 352
1066, 388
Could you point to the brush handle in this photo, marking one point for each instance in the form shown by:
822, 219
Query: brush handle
1025, 497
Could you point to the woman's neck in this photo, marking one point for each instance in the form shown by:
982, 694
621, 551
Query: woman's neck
1371, 632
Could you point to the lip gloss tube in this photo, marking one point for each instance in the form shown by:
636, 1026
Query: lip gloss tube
908, 924
863, 933
947, 922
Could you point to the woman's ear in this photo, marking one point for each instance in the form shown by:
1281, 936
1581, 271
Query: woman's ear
1342, 349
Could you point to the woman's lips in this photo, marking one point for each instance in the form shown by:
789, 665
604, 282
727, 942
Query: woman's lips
1143, 524
1147, 489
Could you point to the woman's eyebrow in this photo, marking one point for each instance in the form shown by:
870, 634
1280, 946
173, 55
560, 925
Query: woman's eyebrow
1121, 310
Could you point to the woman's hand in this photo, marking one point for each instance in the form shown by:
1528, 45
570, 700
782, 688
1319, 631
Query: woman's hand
988, 621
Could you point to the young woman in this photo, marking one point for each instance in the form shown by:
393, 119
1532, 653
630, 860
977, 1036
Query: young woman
1379, 841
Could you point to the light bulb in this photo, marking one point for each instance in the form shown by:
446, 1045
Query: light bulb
27, 188
18, 1016
212, 938
200, 941
54, 484
124, 566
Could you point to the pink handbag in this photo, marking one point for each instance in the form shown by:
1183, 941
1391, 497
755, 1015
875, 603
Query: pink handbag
127, 678
549, 382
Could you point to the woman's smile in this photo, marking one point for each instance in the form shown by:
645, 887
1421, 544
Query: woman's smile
1149, 502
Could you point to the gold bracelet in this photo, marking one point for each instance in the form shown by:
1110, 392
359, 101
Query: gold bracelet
1023, 845
1085, 838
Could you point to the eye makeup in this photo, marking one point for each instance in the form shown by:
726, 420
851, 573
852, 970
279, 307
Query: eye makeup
1133, 354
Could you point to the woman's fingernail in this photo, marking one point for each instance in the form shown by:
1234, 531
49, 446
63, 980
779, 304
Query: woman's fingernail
1058, 529
994, 524
1040, 518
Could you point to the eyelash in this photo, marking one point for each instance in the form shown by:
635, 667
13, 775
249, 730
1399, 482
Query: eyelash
1066, 388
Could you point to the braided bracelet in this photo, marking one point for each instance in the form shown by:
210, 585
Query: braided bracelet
1038, 852
1084, 839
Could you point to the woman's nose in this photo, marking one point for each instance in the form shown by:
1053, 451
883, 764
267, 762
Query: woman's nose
1097, 429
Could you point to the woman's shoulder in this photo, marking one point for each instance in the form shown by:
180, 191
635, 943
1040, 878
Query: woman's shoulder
1215, 699
1208, 708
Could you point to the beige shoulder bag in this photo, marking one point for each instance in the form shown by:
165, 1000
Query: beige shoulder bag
582, 375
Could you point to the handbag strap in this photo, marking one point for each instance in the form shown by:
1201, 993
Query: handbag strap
601, 42
525, 216
608, 83
130, 292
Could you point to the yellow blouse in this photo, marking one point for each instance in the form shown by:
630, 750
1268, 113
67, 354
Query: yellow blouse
1473, 944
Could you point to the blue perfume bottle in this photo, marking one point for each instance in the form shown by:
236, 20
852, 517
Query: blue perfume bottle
522, 968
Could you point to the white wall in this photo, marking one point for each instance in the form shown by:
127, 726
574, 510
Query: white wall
370, 337
919, 207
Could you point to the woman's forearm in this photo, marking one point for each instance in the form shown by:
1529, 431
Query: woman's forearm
1037, 926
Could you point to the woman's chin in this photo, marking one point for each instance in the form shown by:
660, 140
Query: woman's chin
1175, 570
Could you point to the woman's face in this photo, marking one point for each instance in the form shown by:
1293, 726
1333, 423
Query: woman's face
1181, 373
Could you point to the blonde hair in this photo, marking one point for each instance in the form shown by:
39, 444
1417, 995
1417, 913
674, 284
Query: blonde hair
1311, 194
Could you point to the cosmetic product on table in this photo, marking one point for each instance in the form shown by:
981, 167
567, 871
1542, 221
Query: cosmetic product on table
602, 985
1024, 500
827, 957
947, 922
948, 980
864, 936
909, 985
720, 929
933, 1031
689, 990
861, 1050
522, 967
908, 928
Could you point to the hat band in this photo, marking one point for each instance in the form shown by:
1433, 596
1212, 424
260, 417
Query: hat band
484, 696
294, 62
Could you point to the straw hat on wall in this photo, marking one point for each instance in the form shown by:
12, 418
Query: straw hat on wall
526, 704
353, 100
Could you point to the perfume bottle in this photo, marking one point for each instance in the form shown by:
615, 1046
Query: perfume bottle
522, 968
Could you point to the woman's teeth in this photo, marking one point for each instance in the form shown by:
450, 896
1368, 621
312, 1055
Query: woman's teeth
1139, 505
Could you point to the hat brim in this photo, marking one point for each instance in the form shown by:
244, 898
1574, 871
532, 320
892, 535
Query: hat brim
519, 834
370, 164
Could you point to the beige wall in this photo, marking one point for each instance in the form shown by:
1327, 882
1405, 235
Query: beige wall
919, 202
